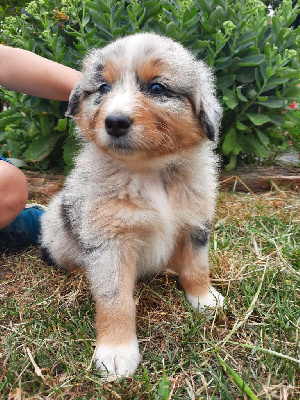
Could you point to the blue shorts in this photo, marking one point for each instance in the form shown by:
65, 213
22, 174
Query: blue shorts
4, 159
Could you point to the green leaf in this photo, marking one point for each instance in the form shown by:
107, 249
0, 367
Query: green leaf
262, 137
245, 75
293, 93
258, 119
275, 25
17, 162
273, 83
240, 94
171, 29
232, 162
230, 99
277, 81
257, 79
8, 113
241, 127
216, 16
41, 147
289, 73
237, 379
288, 125
277, 119
164, 388
170, 16
99, 6
272, 102
246, 37
61, 125
250, 60
225, 81
252, 93
250, 143
230, 143
46, 124
201, 44
262, 98
10, 120
222, 65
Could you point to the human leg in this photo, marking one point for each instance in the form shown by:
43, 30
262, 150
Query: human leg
13, 192
19, 223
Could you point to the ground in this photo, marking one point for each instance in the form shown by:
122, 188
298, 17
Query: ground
249, 350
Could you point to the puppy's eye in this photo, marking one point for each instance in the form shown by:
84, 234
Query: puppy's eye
103, 89
157, 89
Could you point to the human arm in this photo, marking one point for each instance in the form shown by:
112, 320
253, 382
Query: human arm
26, 72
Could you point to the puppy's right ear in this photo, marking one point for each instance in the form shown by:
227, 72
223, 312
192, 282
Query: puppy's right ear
75, 100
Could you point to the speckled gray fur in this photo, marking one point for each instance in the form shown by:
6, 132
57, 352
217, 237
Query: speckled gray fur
128, 201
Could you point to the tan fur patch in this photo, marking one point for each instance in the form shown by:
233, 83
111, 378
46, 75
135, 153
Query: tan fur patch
165, 132
112, 70
115, 319
193, 276
150, 69
121, 216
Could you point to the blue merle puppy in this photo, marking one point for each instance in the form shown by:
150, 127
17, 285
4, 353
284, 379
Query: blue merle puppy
142, 194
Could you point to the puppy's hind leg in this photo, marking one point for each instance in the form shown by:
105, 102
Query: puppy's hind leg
191, 262
111, 272
57, 244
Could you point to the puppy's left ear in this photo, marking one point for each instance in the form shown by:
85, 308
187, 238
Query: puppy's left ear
75, 99
209, 110
208, 127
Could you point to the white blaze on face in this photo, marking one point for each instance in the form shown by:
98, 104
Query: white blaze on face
121, 99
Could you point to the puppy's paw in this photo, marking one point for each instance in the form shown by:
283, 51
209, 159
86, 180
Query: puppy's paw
117, 361
209, 301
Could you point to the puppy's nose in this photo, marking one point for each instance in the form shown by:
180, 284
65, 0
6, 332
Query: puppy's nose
117, 125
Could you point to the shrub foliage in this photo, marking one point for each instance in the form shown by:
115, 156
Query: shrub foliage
254, 55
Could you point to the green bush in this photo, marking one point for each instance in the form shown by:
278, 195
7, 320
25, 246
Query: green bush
255, 57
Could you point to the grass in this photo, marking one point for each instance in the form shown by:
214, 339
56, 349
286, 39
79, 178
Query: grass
249, 351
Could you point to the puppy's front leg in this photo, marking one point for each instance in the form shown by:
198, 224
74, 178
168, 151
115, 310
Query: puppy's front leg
191, 261
112, 278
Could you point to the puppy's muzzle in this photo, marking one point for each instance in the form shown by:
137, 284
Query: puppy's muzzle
117, 126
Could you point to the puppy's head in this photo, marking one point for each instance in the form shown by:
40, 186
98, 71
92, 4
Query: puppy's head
145, 95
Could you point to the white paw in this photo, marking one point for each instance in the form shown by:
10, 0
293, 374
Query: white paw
211, 300
117, 361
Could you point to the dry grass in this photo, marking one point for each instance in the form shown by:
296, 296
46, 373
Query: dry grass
47, 335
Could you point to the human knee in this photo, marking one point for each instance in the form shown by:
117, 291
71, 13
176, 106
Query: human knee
14, 192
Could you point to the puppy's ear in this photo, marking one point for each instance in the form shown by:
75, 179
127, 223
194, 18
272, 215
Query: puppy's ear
209, 110
208, 127
75, 100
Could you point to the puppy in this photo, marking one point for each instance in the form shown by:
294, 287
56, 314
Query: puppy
142, 194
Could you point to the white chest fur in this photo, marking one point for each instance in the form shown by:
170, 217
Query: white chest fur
158, 244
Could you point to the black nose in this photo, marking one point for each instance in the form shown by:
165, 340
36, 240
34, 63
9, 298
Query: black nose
117, 125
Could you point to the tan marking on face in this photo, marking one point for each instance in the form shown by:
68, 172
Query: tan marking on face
112, 70
193, 276
164, 131
150, 69
157, 129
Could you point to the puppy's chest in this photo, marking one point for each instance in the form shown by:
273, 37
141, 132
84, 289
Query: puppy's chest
150, 206
140, 206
